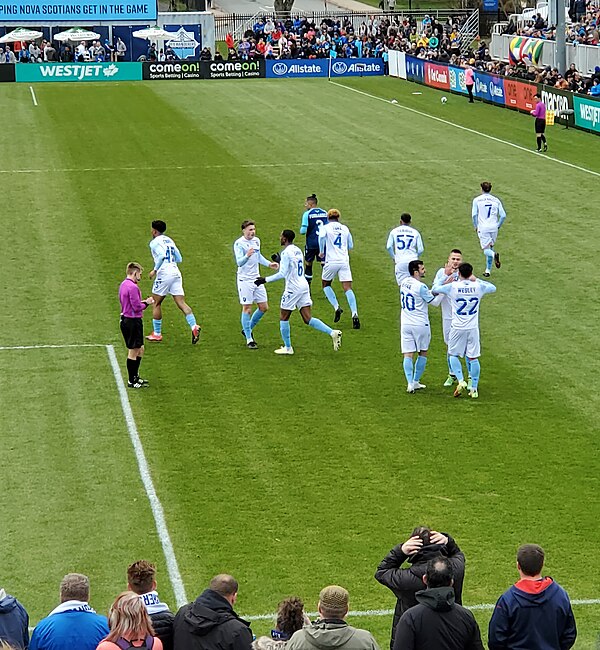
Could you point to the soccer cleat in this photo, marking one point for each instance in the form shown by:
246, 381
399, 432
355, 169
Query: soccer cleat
538, 151
459, 389
154, 337
355, 323
418, 386
144, 382
410, 388
195, 334
336, 335
338, 315
497, 261
252, 345
545, 147
469, 383
136, 384
449, 380
473, 394
284, 350
486, 274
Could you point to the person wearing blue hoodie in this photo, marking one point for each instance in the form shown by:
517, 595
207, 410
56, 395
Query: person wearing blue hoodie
73, 624
535, 612
14, 621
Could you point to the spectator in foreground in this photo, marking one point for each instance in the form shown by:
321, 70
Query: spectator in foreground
423, 545
14, 621
130, 625
210, 621
437, 621
535, 612
330, 630
7, 646
290, 619
141, 579
73, 624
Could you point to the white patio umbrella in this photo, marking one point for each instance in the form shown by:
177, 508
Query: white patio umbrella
76, 34
152, 33
20, 34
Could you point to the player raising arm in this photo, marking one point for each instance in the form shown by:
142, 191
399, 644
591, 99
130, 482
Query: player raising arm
296, 294
404, 244
465, 296
248, 256
336, 237
488, 216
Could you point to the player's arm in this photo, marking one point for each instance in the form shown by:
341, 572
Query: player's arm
390, 246
280, 275
487, 287
420, 247
322, 241
304, 224
178, 256
240, 255
350, 241
474, 213
158, 254
501, 214
441, 288
428, 297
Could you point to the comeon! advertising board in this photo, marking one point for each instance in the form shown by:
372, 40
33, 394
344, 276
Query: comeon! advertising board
39, 12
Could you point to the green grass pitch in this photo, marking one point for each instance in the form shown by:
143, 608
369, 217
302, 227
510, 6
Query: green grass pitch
291, 473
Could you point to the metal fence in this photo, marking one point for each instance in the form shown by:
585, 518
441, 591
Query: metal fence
237, 24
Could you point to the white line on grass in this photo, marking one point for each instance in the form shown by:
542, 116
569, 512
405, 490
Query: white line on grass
466, 128
62, 345
33, 96
318, 163
155, 504
389, 612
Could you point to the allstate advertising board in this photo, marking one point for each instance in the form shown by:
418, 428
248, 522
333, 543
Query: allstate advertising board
286, 68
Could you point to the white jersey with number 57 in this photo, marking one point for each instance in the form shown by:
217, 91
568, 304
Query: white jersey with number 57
465, 296
404, 244
487, 213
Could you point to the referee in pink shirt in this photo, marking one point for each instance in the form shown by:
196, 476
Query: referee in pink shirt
470, 82
539, 112
132, 309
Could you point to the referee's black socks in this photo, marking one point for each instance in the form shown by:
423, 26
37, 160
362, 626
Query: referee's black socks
539, 142
132, 368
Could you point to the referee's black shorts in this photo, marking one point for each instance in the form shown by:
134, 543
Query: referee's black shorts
133, 332
540, 125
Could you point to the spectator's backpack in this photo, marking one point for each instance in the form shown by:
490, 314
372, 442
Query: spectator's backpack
127, 645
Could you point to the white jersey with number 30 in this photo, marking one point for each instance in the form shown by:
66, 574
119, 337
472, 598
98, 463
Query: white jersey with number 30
414, 298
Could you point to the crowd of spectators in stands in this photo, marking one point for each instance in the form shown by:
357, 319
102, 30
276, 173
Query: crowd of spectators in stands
425, 573
51, 52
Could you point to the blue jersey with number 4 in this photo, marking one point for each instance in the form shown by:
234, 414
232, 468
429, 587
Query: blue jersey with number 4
465, 297
312, 220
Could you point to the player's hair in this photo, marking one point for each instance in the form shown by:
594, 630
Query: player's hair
140, 576
455, 250
486, 186
531, 559
405, 217
290, 615
465, 270
334, 213
537, 95
439, 572
224, 584
413, 266
159, 225
75, 586
289, 235
423, 533
128, 616
312, 197
247, 223
134, 266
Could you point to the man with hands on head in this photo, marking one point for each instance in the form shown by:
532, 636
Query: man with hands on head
423, 545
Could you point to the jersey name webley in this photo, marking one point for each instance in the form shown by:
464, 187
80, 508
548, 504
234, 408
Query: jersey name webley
337, 241
316, 217
166, 255
465, 297
249, 270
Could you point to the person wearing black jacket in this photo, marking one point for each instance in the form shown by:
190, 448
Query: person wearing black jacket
210, 622
423, 545
437, 621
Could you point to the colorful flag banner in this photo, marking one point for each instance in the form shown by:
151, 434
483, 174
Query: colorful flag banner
525, 50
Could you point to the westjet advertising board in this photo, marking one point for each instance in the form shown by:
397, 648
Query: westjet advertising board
41, 12
36, 72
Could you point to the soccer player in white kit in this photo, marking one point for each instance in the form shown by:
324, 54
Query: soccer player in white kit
415, 332
336, 237
296, 294
465, 297
404, 244
248, 256
445, 275
488, 216
167, 280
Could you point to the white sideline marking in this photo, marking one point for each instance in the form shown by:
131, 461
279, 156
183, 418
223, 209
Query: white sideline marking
155, 504
389, 612
322, 163
466, 128
33, 96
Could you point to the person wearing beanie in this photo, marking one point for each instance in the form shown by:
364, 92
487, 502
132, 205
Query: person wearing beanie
423, 545
330, 630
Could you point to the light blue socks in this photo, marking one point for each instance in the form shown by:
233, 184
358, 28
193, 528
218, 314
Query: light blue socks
246, 325
319, 325
489, 258
419, 368
351, 298
407, 365
191, 320
330, 294
475, 372
256, 316
157, 326
456, 366
284, 327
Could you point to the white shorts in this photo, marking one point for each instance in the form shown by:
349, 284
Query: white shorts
487, 238
341, 269
414, 338
249, 293
446, 325
168, 284
291, 300
463, 343
401, 272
